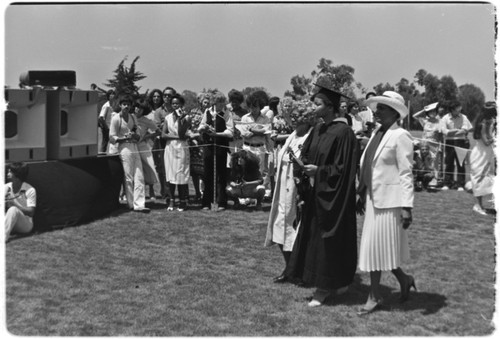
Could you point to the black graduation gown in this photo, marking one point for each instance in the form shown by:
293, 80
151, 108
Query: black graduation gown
325, 250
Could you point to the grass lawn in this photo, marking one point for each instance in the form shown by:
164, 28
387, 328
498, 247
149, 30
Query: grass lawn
202, 273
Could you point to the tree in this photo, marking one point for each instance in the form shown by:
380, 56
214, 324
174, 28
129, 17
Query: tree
431, 84
472, 100
420, 76
413, 99
301, 86
448, 91
339, 78
125, 78
191, 100
381, 88
247, 90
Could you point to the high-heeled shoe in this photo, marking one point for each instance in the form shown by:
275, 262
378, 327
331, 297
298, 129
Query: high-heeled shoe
405, 290
370, 309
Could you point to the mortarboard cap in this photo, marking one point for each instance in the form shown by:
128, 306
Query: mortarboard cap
329, 94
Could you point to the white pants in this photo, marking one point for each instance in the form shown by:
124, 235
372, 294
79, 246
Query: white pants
134, 177
16, 221
148, 164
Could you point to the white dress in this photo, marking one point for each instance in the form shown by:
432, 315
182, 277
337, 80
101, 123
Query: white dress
482, 167
176, 155
284, 206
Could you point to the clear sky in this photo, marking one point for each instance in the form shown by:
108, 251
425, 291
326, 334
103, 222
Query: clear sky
225, 46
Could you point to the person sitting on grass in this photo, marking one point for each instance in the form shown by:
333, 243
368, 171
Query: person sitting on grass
246, 179
423, 168
20, 200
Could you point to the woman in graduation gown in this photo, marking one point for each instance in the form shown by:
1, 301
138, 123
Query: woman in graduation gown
325, 250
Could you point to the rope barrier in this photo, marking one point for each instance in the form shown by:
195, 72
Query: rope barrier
441, 144
162, 150
240, 148
195, 146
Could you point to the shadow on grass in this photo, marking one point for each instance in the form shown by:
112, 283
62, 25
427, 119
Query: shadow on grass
156, 206
428, 303
122, 209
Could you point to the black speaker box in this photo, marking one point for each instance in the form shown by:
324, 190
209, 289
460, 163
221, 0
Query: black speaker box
48, 78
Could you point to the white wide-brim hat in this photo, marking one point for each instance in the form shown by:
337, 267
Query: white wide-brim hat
391, 99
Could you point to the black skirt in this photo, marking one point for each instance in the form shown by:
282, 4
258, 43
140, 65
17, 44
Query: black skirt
326, 263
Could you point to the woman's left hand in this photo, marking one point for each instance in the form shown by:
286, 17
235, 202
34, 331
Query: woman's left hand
406, 217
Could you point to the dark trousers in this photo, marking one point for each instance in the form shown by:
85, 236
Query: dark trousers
450, 159
183, 194
105, 139
158, 158
221, 176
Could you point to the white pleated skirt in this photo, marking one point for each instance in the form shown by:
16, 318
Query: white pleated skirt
384, 242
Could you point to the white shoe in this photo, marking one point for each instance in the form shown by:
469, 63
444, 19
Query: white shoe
142, 210
318, 298
445, 188
460, 189
479, 210
314, 303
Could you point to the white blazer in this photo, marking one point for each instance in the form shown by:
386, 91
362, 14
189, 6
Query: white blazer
392, 176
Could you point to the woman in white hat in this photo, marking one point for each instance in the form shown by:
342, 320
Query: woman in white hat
386, 192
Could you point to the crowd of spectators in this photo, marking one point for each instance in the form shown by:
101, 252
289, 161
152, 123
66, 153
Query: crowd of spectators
162, 144
220, 126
